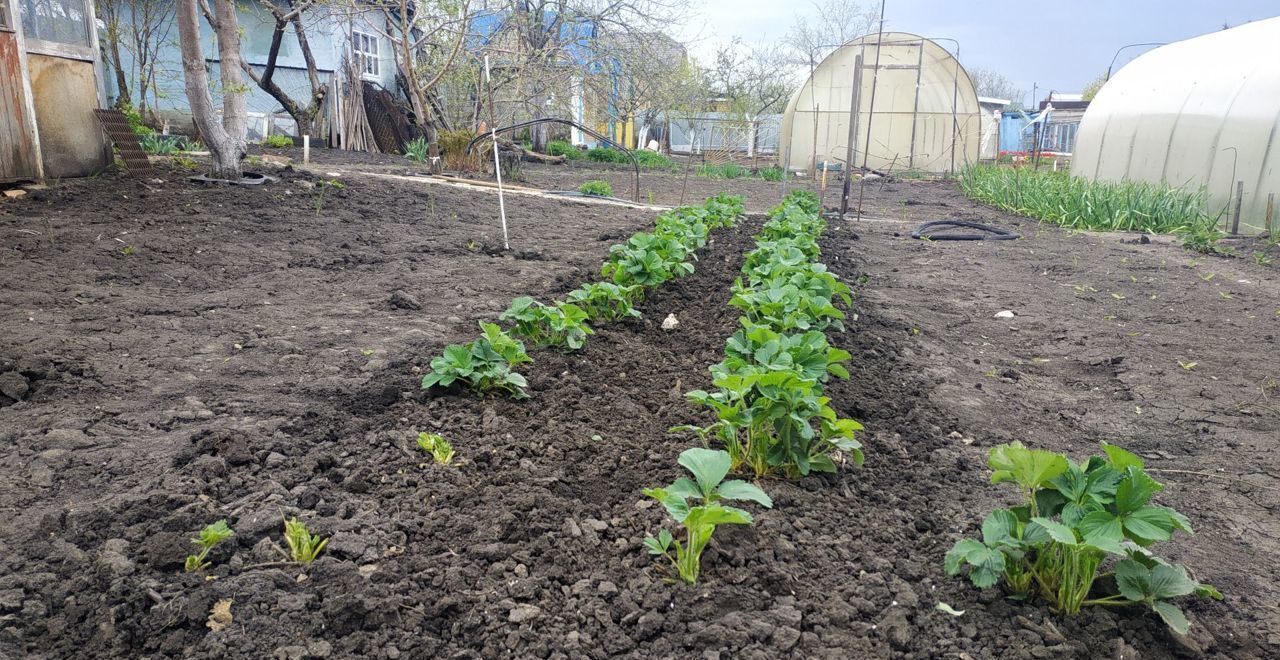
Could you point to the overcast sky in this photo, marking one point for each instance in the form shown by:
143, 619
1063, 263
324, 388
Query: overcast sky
1058, 45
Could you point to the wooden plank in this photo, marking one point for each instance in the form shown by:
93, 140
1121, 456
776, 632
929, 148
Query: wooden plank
18, 156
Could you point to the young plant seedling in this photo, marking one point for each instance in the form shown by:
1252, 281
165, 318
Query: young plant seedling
1072, 519
304, 546
484, 364
439, 448
209, 537
707, 489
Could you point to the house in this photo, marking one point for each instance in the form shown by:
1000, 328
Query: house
333, 33
1052, 130
49, 88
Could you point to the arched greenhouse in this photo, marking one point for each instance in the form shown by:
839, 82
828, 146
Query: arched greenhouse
925, 115
1204, 112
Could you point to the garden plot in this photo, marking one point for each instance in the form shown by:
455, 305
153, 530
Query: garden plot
531, 542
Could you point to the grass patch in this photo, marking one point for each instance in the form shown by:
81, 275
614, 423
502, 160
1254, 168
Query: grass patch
726, 171
770, 173
1079, 203
277, 141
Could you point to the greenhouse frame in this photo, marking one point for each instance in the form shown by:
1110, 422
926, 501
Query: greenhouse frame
1199, 113
917, 109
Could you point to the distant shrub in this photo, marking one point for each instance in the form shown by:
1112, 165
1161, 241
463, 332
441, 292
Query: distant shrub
277, 141
453, 148
596, 188
564, 148
652, 159
606, 155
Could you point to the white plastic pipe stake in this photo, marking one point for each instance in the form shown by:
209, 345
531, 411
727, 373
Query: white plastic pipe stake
497, 168
306, 149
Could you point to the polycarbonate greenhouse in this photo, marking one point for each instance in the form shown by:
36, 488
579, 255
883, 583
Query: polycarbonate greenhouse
925, 115
1201, 112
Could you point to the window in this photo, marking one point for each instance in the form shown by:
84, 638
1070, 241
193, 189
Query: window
4, 16
365, 47
57, 21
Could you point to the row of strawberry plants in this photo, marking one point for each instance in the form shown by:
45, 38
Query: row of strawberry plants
768, 397
772, 415
646, 260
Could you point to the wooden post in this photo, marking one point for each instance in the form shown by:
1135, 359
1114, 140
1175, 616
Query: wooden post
1271, 209
1235, 217
851, 149
306, 149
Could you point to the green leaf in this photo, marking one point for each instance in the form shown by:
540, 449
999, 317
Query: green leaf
1160, 582
1135, 490
714, 514
1101, 527
709, 467
1057, 531
1000, 526
684, 487
1150, 523
1172, 616
958, 554
943, 607
735, 489
1029, 468
1121, 459
1208, 591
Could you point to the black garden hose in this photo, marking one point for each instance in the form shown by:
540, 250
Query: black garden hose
986, 232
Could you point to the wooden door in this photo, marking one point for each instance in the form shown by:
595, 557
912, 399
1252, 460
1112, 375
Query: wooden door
19, 158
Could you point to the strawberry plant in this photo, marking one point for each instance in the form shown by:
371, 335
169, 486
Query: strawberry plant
800, 301
773, 421
209, 537
647, 260
304, 546
562, 325
607, 301
439, 448
1073, 518
707, 490
808, 354
484, 364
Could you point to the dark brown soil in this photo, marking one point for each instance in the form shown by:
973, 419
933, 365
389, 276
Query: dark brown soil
247, 360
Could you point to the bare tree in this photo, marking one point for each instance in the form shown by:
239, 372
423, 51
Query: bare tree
643, 75
996, 85
426, 37
142, 28
835, 22
225, 138
752, 80
290, 17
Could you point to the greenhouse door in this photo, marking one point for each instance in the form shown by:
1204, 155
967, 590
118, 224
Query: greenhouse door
19, 158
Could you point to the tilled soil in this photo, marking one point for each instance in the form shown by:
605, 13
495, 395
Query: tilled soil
258, 362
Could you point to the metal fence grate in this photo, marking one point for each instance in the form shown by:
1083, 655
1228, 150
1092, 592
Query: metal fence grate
117, 127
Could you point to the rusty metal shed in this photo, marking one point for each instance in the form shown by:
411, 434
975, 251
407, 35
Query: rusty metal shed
50, 84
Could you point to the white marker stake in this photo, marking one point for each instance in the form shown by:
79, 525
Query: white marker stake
306, 149
497, 168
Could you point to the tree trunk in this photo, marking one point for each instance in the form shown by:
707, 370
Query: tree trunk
225, 139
